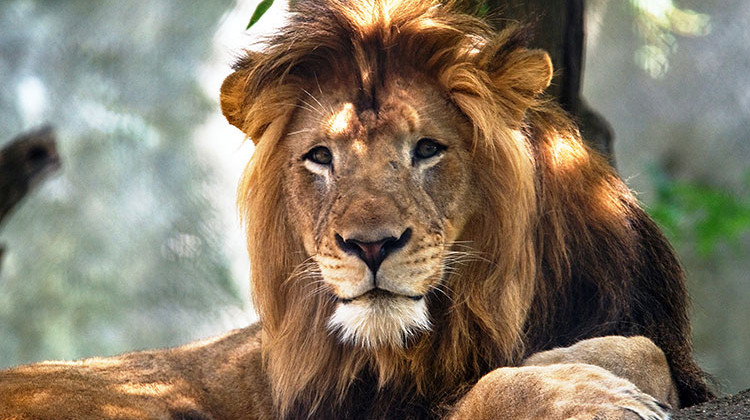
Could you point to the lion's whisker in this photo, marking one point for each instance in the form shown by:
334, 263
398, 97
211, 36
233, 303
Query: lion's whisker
299, 132
310, 107
322, 107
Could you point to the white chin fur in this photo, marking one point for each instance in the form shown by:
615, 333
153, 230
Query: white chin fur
379, 322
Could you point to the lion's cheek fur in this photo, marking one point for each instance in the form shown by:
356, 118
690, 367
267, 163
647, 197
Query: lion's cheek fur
303, 204
449, 190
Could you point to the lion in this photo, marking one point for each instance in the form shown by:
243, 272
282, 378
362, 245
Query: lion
428, 236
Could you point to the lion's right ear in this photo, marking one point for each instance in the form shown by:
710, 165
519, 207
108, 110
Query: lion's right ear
257, 95
236, 97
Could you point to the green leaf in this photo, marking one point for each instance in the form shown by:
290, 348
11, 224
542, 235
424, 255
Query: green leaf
259, 11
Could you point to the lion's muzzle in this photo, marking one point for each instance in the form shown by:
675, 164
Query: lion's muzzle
379, 285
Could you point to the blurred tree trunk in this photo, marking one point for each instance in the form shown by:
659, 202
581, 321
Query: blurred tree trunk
558, 28
24, 162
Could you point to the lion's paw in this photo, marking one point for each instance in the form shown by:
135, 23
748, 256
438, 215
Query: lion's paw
558, 391
639, 405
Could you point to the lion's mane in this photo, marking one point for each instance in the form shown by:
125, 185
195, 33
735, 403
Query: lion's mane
566, 252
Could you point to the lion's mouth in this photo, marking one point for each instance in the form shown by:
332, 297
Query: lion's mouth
377, 294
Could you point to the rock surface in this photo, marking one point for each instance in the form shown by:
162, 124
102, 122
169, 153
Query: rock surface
732, 407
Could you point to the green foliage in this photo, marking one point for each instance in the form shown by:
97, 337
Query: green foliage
693, 212
260, 10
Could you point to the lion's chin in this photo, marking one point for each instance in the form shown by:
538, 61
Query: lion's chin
379, 320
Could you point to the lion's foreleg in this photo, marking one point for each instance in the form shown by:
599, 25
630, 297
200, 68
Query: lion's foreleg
636, 359
602, 378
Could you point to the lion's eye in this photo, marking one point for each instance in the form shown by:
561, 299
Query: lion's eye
320, 155
427, 148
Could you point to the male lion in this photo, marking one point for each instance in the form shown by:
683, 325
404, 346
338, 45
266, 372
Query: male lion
420, 221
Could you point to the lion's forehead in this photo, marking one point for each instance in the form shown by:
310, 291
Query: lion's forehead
360, 128
402, 104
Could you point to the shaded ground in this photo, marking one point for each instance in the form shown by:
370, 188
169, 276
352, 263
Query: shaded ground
731, 407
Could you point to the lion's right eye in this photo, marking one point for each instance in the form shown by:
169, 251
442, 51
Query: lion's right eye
320, 155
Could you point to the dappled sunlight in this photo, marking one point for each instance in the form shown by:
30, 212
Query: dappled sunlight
32, 99
154, 389
369, 14
568, 153
38, 398
120, 411
135, 385
363, 16
103, 362
428, 23
359, 147
340, 121
667, 15
54, 366
201, 344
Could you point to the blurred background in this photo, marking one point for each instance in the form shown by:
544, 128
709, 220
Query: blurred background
135, 243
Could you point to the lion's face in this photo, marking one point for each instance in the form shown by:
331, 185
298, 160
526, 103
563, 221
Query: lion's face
378, 195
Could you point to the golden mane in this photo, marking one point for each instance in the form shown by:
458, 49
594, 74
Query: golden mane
566, 251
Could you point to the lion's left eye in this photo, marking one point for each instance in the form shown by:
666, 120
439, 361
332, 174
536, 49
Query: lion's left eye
427, 148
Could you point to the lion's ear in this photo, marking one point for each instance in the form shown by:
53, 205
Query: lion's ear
254, 97
527, 72
236, 99
233, 98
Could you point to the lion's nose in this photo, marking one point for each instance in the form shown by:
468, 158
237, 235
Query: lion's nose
373, 253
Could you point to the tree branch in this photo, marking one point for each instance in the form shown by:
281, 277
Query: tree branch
24, 163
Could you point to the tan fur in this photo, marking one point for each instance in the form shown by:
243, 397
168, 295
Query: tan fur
514, 239
558, 391
219, 378
583, 381
634, 358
